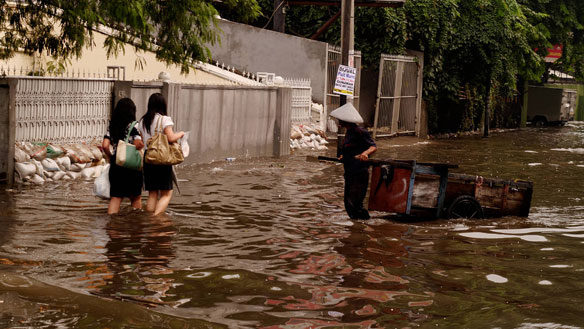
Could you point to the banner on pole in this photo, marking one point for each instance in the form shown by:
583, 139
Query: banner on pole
345, 81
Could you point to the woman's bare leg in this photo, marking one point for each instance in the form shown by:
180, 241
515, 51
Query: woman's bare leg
114, 205
165, 196
152, 200
136, 202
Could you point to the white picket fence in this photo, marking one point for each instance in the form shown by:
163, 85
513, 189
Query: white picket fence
62, 109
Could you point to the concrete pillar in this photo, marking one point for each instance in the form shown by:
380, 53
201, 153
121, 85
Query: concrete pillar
283, 122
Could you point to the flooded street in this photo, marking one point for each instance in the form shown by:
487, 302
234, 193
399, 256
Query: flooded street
265, 243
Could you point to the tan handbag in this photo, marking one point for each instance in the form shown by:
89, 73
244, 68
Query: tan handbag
160, 152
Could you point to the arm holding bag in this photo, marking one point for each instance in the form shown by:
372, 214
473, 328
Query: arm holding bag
127, 155
161, 152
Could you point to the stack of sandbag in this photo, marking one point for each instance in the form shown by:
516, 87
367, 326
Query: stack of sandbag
307, 137
38, 163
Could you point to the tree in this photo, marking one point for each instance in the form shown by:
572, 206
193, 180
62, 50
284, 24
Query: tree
475, 51
176, 31
562, 22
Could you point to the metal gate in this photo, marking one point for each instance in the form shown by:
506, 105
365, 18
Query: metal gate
399, 96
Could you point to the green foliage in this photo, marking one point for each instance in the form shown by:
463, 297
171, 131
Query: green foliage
176, 31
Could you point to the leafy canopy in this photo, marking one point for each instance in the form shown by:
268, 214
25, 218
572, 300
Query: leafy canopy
175, 30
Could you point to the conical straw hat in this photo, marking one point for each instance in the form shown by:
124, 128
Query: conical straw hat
347, 113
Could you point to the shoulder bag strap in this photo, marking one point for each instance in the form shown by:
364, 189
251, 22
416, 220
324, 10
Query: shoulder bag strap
158, 127
130, 130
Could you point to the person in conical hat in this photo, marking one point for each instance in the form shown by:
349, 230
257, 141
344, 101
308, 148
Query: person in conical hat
347, 113
355, 150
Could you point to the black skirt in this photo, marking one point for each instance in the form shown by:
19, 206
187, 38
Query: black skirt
157, 177
124, 182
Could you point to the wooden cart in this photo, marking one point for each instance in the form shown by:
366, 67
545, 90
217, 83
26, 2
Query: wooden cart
419, 189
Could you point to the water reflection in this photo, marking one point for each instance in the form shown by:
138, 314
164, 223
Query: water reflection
265, 243
139, 249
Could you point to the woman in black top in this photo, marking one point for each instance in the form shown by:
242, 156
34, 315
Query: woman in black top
355, 149
124, 182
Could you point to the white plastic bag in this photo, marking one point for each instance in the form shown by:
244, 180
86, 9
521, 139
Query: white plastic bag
101, 186
184, 144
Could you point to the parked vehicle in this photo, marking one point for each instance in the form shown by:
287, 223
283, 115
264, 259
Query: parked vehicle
550, 106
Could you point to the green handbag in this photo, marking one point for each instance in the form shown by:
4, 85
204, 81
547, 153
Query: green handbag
127, 155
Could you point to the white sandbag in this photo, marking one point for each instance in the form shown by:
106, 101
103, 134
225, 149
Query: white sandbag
59, 175
77, 167
39, 167
87, 173
50, 165
101, 162
64, 163
73, 174
101, 186
49, 174
38, 180
66, 176
20, 155
25, 169
321, 148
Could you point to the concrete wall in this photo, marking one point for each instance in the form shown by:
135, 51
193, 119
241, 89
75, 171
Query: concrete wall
224, 121
258, 50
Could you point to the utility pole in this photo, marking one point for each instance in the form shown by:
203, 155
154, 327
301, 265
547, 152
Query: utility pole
347, 34
279, 16
347, 44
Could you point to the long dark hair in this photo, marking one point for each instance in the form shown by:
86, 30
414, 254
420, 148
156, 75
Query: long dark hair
124, 113
156, 104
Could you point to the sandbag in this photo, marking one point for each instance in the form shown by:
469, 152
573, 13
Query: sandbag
38, 180
77, 167
75, 154
25, 169
96, 151
50, 165
73, 174
20, 155
85, 153
64, 163
39, 151
59, 175
39, 167
87, 173
54, 151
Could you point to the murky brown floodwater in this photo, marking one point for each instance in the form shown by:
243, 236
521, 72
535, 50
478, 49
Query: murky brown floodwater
266, 244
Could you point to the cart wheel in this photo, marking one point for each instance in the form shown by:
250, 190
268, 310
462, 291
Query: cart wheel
465, 206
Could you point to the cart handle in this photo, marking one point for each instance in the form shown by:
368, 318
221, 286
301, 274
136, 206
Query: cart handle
408, 164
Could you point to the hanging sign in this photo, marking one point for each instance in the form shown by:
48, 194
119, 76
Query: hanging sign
345, 82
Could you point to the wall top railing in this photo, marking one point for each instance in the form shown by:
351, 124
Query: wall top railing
30, 72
